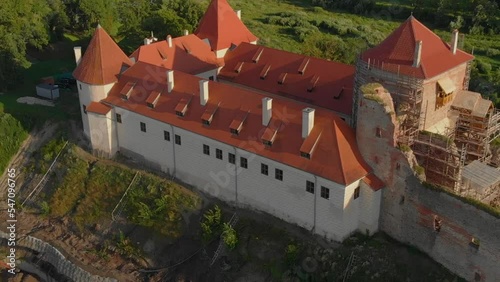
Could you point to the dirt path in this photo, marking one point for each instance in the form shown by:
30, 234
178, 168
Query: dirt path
36, 138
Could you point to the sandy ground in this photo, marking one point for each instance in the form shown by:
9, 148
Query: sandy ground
32, 100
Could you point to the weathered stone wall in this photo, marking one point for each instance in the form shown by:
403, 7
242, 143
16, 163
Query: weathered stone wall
409, 209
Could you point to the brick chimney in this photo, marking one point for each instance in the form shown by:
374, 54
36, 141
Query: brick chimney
307, 121
203, 92
454, 42
267, 110
418, 54
170, 80
78, 54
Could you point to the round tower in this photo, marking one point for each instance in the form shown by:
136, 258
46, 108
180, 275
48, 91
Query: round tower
97, 71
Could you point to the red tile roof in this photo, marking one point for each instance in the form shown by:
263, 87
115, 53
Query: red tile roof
103, 60
98, 108
374, 182
335, 157
188, 54
397, 51
221, 26
326, 78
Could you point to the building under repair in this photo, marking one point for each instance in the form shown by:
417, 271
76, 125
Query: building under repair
448, 127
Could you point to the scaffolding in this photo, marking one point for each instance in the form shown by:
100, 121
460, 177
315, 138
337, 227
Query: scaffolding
440, 158
406, 92
476, 133
437, 154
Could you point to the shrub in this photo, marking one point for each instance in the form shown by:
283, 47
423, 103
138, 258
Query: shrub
419, 170
211, 224
229, 236
291, 254
492, 52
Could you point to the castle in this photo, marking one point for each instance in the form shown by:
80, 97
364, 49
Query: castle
281, 132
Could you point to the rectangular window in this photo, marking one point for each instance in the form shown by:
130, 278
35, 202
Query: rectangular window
177, 139
118, 118
206, 150
325, 192
278, 174
356, 193
84, 109
166, 135
143, 127
232, 158
264, 169
218, 154
310, 187
243, 162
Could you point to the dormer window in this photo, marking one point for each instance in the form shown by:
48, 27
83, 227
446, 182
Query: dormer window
181, 108
237, 123
264, 71
303, 66
305, 155
313, 83
127, 90
209, 113
153, 99
267, 143
257, 55
238, 67
281, 79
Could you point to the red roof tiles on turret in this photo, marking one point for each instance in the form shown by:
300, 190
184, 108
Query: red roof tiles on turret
222, 27
396, 52
103, 60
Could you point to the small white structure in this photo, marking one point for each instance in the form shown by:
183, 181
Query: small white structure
48, 91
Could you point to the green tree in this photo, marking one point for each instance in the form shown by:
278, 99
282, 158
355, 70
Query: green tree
229, 236
22, 23
164, 22
211, 224
189, 10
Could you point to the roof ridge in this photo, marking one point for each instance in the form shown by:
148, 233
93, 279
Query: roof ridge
337, 135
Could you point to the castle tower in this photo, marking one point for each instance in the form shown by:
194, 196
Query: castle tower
97, 71
223, 28
422, 72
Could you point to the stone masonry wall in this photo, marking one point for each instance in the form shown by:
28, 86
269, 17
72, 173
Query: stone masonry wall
409, 210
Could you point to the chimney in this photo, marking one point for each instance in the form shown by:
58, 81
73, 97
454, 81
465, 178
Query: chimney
170, 80
267, 110
169, 41
238, 14
307, 121
203, 92
78, 54
147, 41
454, 42
186, 32
418, 54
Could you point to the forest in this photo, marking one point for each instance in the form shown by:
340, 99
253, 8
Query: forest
332, 29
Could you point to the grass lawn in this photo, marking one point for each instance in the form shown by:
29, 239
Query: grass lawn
372, 28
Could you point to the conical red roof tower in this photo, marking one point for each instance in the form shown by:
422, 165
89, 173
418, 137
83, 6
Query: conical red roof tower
222, 27
397, 51
103, 60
